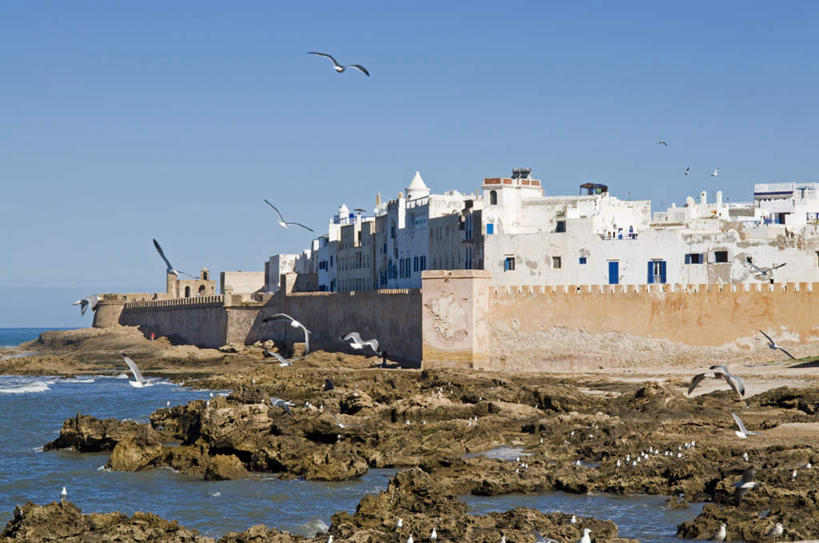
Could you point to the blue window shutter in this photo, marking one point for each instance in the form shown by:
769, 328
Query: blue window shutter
688, 258
650, 272
662, 271
490, 228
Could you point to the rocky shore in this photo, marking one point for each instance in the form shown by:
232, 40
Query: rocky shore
622, 434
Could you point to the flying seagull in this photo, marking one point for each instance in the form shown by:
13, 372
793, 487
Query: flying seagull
295, 324
540, 539
356, 343
339, 67
715, 172
662, 142
170, 269
138, 381
88, 301
743, 432
772, 344
762, 271
282, 222
284, 404
719, 371
282, 360
746, 483
687, 171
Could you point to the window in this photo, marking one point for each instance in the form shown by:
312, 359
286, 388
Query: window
331, 261
493, 197
582, 260
201, 290
720, 256
392, 231
817, 258
415, 263
187, 292
490, 228
556, 262
509, 263
468, 234
656, 271
694, 258
560, 226
423, 263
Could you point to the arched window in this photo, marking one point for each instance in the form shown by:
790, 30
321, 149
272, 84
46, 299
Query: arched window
493, 197
187, 292
201, 290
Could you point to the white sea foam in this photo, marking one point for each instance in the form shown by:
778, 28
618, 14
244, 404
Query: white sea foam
216, 494
103, 468
78, 380
314, 527
29, 388
38, 449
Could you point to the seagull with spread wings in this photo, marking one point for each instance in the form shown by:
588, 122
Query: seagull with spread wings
743, 432
762, 271
357, 343
662, 142
745, 484
284, 224
138, 381
295, 324
717, 371
170, 269
341, 67
88, 301
773, 346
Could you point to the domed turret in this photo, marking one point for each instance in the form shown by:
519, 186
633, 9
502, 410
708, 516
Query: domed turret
417, 188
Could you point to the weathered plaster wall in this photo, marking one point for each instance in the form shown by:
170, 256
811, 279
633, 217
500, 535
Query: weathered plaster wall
455, 304
241, 282
198, 321
700, 315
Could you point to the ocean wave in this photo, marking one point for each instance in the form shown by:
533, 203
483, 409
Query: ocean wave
30, 388
314, 527
78, 380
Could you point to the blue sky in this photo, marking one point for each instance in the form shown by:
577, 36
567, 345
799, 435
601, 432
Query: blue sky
120, 122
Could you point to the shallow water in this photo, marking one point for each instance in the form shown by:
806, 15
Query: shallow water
640, 517
33, 411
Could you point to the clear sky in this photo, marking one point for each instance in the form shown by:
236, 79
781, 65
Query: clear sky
124, 121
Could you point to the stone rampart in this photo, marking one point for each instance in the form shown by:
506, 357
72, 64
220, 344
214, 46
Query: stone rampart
199, 321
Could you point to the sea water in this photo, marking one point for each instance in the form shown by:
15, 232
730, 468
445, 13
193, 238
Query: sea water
33, 409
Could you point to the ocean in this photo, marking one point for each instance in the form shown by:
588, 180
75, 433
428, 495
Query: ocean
34, 408
11, 337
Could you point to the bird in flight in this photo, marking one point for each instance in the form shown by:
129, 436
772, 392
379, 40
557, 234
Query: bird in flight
772, 344
762, 271
743, 432
88, 301
687, 171
138, 381
295, 324
341, 67
284, 223
662, 142
719, 371
170, 269
715, 172
746, 483
283, 362
356, 343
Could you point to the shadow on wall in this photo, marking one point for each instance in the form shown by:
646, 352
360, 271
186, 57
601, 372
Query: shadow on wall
394, 320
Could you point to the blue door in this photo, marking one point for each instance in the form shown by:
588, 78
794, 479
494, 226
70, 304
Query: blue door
614, 272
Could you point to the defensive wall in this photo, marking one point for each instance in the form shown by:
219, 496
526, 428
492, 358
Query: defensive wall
459, 320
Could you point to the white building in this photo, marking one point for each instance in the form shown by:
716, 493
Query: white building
525, 237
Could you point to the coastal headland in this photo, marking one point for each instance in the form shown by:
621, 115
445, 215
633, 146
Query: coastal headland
625, 430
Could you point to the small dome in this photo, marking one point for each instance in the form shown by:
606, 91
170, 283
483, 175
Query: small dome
343, 211
417, 188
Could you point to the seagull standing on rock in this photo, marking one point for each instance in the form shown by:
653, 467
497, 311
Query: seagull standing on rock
721, 533
63, 495
339, 68
586, 536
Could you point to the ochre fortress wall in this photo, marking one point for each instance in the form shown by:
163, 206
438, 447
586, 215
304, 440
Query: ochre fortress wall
457, 319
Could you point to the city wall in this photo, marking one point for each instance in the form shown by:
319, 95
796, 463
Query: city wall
199, 321
459, 320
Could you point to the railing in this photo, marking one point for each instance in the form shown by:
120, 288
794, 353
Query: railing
217, 299
651, 289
